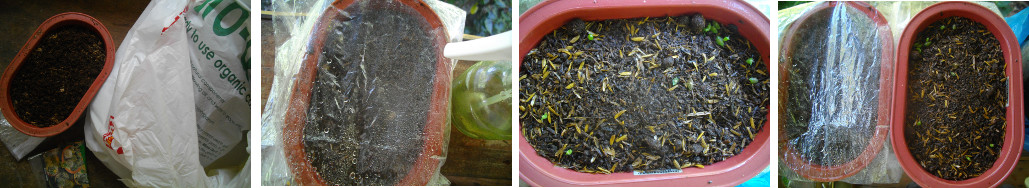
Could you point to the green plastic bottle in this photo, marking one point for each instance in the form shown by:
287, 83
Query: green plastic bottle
482, 101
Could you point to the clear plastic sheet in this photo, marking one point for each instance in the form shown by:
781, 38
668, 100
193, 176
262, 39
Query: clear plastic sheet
19, 144
374, 101
831, 106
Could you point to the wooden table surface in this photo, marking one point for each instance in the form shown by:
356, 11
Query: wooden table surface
469, 161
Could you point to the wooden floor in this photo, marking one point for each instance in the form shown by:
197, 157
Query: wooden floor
1020, 173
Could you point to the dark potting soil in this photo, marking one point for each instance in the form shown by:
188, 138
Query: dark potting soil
56, 74
642, 94
957, 98
370, 102
832, 88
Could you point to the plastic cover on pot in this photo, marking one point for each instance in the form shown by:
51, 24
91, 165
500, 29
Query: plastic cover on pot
835, 92
360, 94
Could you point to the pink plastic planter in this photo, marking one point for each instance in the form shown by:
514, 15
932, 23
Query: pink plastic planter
549, 15
1013, 134
57, 21
822, 173
292, 134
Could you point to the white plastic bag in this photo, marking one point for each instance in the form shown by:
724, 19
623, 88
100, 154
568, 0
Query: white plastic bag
142, 124
219, 34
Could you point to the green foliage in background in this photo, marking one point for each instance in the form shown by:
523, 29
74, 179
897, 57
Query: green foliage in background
788, 4
1004, 6
485, 17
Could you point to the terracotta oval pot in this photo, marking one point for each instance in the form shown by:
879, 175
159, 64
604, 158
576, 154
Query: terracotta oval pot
434, 131
790, 155
549, 15
57, 21
1013, 134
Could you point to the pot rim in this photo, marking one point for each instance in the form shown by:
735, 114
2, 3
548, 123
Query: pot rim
56, 21
550, 15
1013, 138
436, 124
817, 172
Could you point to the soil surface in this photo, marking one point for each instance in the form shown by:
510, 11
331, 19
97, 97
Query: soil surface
642, 94
56, 74
832, 86
370, 101
957, 98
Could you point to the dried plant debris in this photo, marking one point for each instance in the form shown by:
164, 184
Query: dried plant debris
642, 94
957, 99
56, 74
369, 104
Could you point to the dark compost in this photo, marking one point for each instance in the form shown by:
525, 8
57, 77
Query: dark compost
957, 99
56, 74
642, 94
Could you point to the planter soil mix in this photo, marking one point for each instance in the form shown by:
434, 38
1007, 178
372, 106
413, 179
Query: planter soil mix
957, 99
642, 94
370, 101
56, 74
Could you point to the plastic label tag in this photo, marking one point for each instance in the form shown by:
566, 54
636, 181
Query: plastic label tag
653, 172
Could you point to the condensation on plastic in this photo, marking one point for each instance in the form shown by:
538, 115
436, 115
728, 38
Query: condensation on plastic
358, 95
836, 59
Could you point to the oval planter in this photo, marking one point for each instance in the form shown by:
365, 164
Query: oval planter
787, 153
1013, 134
54, 22
549, 15
434, 130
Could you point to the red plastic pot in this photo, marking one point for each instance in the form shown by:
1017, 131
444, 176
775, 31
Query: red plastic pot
1013, 134
425, 165
790, 156
549, 15
57, 21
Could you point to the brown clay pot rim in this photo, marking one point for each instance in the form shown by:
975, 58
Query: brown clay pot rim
56, 21
550, 15
1013, 135
296, 114
823, 173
